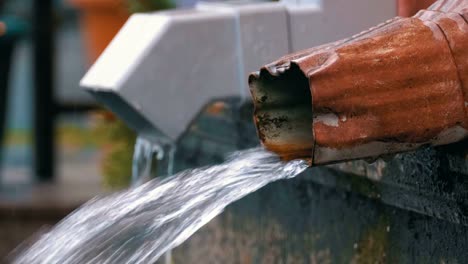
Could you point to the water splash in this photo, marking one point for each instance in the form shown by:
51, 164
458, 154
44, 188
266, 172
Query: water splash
151, 157
139, 225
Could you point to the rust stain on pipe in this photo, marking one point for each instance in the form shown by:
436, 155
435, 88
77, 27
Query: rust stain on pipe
392, 88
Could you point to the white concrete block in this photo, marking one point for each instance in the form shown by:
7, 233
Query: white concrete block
331, 20
262, 33
167, 65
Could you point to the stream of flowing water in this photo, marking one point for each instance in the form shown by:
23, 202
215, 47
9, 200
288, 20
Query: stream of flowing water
140, 224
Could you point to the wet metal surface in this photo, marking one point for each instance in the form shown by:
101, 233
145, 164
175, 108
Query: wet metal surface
396, 87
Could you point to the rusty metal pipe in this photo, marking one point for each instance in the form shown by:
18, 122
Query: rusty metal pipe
393, 88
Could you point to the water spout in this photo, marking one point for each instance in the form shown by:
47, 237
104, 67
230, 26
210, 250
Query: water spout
395, 87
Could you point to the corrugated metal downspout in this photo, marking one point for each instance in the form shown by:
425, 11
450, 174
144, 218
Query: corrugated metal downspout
393, 88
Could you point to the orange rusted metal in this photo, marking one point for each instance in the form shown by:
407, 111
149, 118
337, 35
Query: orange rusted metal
393, 88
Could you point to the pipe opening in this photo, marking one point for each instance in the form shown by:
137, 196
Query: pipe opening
283, 111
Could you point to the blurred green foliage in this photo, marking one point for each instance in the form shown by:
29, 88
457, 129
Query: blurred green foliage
117, 141
136, 6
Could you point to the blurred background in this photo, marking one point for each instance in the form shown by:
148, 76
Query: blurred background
59, 147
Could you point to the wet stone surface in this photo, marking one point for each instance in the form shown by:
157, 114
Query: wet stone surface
299, 221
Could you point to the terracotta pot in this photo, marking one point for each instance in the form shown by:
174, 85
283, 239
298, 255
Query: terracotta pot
100, 22
2, 28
